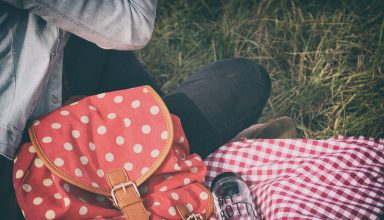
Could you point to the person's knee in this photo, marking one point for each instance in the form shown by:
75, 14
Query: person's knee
252, 73
255, 69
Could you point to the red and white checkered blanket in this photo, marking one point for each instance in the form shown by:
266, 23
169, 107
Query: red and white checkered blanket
337, 178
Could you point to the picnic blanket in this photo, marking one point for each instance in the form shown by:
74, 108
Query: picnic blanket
337, 178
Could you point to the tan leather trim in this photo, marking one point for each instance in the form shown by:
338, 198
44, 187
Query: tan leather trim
139, 181
57, 171
183, 211
169, 142
209, 211
127, 197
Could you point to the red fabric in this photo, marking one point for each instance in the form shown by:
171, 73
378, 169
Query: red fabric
338, 178
123, 129
104, 132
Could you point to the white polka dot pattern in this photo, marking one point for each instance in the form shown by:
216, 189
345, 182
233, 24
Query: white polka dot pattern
50, 214
78, 172
128, 166
94, 121
181, 140
172, 211
83, 210
137, 148
146, 129
47, 182
32, 149
39, 162
135, 104
187, 181
175, 196
75, 134
84, 119
68, 146
95, 185
144, 170
164, 135
118, 99
19, 174
109, 157
56, 126
93, 108
84, 160
37, 201
188, 163
155, 110
177, 167
100, 96
111, 116
119, 140
101, 130
100, 173
47, 140
27, 188
203, 196
155, 153
92, 146
64, 113
67, 201
57, 196
127, 122
59, 162
194, 170
101, 133
189, 207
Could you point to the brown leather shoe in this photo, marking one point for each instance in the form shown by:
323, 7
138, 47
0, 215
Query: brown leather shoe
279, 128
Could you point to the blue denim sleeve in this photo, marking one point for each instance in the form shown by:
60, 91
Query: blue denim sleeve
117, 24
30, 64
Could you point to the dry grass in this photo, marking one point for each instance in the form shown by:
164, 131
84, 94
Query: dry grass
325, 57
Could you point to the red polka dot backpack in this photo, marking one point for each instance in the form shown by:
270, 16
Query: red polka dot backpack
117, 155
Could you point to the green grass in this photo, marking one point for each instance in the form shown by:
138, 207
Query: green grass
325, 58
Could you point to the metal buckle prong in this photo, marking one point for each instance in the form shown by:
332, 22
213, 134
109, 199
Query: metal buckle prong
194, 217
123, 186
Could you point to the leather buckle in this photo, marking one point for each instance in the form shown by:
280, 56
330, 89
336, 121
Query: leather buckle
195, 217
123, 186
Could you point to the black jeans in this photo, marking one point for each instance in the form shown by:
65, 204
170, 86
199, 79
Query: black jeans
214, 104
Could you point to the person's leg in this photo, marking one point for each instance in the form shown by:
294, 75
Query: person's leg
84, 63
214, 104
219, 101
9, 208
124, 70
90, 70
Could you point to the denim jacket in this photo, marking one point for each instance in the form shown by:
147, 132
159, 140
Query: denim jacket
33, 34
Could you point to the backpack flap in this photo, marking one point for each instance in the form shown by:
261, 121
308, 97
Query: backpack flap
129, 130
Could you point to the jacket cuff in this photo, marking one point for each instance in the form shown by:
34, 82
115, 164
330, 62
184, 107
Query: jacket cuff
9, 142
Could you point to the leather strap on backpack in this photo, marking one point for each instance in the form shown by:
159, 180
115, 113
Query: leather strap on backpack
185, 214
126, 196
